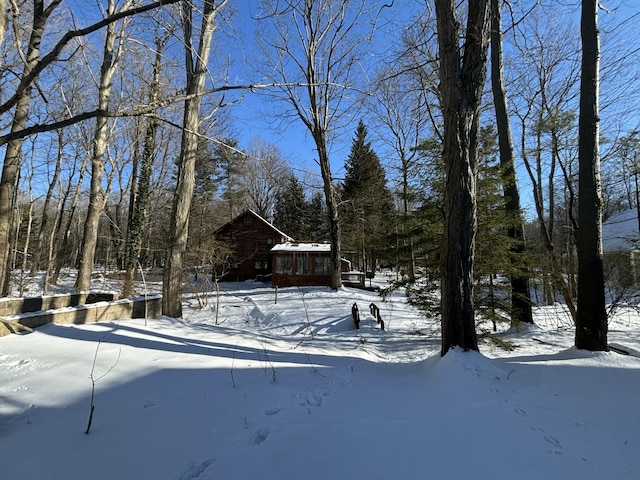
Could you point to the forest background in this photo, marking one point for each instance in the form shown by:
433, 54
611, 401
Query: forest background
87, 111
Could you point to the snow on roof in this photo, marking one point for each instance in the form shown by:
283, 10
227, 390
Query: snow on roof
302, 247
620, 232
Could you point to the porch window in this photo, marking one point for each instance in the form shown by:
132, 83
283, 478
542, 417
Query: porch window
283, 265
302, 264
321, 265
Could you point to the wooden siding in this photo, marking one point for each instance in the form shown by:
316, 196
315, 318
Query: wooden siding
251, 238
293, 276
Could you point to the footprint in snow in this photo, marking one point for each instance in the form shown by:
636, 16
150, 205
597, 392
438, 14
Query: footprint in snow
313, 398
554, 442
194, 470
260, 435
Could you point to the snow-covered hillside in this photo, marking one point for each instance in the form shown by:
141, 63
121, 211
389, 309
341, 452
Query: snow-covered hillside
292, 391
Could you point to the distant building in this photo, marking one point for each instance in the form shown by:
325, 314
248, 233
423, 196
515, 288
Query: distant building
251, 238
621, 246
262, 252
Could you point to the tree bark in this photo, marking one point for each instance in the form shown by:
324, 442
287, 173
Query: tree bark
13, 153
591, 324
141, 197
462, 74
97, 198
332, 211
196, 69
520, 292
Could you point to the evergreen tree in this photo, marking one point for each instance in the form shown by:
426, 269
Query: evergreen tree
368, 210
291, 213
495, 258
317, 218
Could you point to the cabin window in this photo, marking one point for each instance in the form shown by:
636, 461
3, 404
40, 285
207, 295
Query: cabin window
321, 265
248, 220
283, 265
269, 241
302, 264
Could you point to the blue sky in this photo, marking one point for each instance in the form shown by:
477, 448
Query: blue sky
254, 116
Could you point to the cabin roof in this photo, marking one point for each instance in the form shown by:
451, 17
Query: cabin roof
255, 215
302, 247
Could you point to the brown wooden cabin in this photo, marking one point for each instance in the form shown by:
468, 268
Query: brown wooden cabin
303, 264
251, 239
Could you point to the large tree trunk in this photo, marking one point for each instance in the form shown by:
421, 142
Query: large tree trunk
462, 75
332, 210
591, 324
141, 197
13, 153
97, 198
520, 292
196, 66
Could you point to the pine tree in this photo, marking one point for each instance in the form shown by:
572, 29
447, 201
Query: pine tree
368, 210
291, 213
317, 218
495, 258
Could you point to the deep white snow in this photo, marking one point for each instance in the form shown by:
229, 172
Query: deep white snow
292, 391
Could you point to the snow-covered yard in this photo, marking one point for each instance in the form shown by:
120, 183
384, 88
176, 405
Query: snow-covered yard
292, 391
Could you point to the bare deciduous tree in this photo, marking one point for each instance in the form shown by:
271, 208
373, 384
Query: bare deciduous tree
265, 174
13, 152
310, 49
97, 197
140, 200
196, 59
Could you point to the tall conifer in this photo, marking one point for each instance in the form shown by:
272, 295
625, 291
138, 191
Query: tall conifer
291, 210
368, 209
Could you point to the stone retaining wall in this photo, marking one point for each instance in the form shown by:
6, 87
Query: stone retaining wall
10, 306
60, 309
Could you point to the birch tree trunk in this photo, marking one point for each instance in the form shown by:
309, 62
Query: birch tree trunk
196, 71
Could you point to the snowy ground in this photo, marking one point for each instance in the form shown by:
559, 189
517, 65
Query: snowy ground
292, 391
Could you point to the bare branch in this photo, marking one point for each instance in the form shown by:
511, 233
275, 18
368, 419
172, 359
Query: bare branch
52, 56
142, 111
